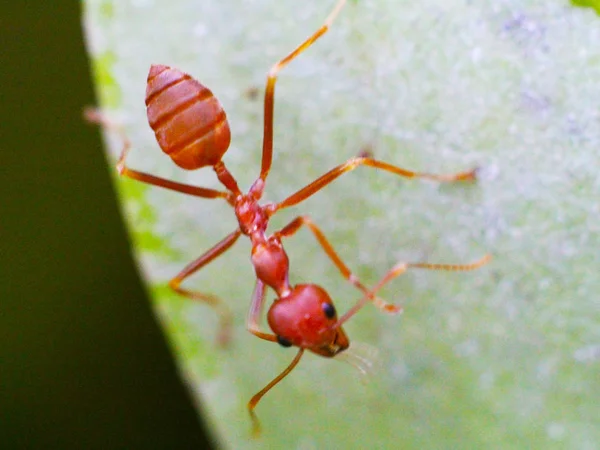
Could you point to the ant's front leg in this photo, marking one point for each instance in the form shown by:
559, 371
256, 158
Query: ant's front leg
291, 228
256, 309
398, 270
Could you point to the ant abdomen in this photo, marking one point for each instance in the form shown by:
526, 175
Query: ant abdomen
188, 120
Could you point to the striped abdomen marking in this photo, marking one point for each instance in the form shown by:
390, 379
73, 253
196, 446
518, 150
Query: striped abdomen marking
188, 121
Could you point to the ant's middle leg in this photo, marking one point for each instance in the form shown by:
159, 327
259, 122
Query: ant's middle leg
291, 228
224, 333
352, 164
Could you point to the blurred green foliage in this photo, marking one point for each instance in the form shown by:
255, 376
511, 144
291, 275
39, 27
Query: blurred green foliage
588, 3
83, 364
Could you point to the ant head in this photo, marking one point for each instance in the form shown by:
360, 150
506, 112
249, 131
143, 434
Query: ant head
305, 318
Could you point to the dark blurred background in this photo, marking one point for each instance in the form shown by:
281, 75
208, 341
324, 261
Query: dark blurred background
82, 361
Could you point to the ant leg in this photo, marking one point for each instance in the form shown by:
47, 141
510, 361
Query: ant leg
291, 228
223, 312
399, 269
267, 152
256, 308
93, 115
352, 164
256, 398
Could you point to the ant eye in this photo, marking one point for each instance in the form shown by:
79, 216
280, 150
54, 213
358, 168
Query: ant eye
329, 310
283, 342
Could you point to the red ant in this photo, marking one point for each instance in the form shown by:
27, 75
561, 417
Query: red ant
192, 128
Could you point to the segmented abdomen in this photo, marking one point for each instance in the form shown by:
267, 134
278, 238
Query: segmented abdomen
188, 121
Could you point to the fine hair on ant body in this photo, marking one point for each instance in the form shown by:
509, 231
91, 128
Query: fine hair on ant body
191, 127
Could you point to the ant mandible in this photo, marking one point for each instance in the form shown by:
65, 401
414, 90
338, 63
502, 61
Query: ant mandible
191, 127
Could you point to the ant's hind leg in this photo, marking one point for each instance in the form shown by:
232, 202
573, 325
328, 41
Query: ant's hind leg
267, 151
93, 115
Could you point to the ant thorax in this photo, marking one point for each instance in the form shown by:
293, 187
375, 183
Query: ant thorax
251, 217
271, 264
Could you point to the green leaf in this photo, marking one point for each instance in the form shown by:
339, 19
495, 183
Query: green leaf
504, 357
595, 4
